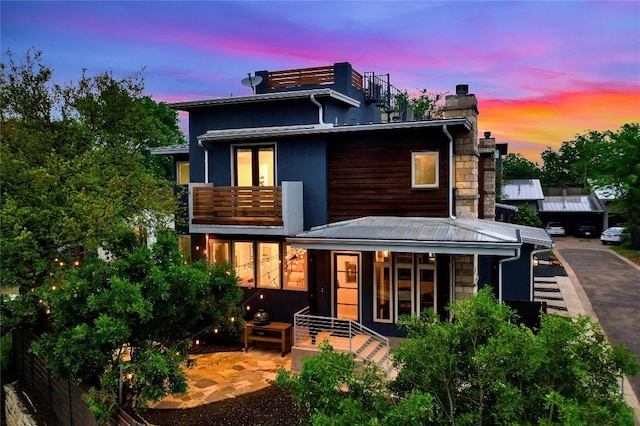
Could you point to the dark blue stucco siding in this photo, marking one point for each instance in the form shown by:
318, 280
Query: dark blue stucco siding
516, 276
304, 160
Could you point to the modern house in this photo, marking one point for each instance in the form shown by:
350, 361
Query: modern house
334, 210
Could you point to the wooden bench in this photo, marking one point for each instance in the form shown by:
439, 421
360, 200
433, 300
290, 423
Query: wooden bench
274, 332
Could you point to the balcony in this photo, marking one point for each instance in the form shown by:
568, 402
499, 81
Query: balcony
257, 210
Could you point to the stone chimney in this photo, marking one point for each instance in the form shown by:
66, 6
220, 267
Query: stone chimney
466, 160
466, 154
487, 177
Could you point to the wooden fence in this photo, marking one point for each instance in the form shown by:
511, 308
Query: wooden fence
58, 400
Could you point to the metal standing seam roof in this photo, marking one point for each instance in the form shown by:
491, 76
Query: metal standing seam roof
444, 235
571, 203
522, 189
327, 128
266, 97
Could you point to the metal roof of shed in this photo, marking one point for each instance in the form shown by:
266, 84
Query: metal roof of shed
522, 189
422, 235
571, 203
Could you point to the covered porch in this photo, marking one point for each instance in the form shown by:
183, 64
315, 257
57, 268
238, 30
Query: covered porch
373, 270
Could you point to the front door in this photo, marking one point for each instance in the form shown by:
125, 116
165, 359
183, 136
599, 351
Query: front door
347, 285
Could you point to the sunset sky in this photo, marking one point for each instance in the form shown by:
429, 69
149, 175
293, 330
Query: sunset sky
543, 71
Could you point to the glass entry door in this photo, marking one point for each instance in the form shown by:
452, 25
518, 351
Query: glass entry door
346, 281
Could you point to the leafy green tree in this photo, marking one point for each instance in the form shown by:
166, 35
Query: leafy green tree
76, 168
482, 367
141, 312
526, 216
332, 389
572, 164
515, 166
616, 156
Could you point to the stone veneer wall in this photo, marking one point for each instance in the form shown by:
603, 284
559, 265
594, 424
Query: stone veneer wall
466, 157
16, 414
487, 149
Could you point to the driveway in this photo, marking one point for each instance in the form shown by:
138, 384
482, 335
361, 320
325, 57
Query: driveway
611, 285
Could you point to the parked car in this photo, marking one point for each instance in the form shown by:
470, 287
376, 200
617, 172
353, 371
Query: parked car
586, 229
614, 235
555, 229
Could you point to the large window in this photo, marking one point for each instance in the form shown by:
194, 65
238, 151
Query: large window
426, 281
218, 252
295, 269
404, 283
255, 165
424, 170
382, 288
243, 263
269, 265
184, 246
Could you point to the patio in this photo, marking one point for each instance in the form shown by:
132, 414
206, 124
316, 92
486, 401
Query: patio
221, 375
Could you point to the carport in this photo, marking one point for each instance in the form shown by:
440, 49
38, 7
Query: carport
570, 210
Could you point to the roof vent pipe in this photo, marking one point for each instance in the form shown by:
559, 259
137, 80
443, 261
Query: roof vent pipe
320, 114
446, 132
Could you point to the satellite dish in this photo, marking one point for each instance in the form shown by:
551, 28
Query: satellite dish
251, 81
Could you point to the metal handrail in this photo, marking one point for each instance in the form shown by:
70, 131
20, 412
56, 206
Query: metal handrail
343, 334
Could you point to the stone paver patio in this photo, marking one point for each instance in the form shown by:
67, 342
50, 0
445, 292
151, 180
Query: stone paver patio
222, 375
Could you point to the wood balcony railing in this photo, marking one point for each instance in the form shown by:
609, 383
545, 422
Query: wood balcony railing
237, 205
309, 76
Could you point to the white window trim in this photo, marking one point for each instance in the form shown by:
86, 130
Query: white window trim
411, 267
436, 154
390, 289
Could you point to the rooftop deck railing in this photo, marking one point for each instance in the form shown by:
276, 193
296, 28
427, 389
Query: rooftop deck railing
308, 77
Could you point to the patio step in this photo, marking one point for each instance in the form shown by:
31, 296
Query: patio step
374, 351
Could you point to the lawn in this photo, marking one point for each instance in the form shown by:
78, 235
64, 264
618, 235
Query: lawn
626, 251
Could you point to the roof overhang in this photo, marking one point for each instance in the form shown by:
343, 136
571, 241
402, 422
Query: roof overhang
422, 235
171, 150
325, 129
267, 97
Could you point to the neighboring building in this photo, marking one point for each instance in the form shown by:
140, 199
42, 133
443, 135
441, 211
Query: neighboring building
320, 204
570, 207
519, 192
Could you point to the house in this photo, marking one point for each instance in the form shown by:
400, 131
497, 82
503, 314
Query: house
519, 192
335, 211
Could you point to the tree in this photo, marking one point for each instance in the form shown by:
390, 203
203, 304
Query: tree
141, 312
616, 160
76, 168
526, 216
571, 165
515, 166
481, 367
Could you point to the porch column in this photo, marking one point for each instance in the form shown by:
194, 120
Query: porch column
465, 268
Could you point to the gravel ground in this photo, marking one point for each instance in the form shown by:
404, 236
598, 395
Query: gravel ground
271, 406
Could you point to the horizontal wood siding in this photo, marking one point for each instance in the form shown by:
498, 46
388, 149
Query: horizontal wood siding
370, 175
229, 205
301, 77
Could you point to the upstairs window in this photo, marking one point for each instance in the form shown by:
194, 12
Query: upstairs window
182, 172
424, 170
254, 165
